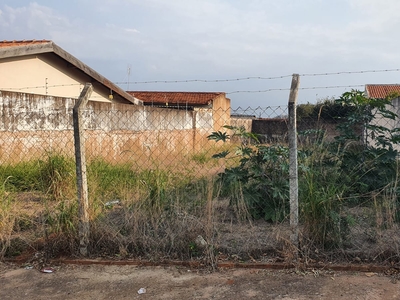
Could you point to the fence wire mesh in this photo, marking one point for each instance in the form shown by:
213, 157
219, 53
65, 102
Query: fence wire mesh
202, 182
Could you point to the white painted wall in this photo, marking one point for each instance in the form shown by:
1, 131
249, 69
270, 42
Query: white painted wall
388, 123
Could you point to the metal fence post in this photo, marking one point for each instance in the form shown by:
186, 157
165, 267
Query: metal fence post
81, 179
293, 174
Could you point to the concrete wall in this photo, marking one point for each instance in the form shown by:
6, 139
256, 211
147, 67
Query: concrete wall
246, 123
221, 112
386, 122
276, 130
33, 124
272, 130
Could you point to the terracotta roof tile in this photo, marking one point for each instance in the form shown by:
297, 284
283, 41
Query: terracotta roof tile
174, 98
381, 91
22, 43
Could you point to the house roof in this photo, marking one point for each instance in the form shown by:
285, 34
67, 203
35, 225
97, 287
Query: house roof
9, 49
381, 91
22, 43
176, 98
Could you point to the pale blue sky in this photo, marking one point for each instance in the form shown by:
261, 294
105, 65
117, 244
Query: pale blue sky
220, 39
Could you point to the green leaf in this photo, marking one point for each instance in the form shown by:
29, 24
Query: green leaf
219, 136
221, 154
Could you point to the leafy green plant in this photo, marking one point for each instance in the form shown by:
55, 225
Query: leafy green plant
365, 143
358, 125
361, 161
260, 179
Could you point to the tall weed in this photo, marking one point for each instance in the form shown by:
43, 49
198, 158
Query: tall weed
53, 175
57, 174
7, 219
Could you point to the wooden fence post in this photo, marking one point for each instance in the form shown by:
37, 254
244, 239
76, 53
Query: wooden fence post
79, 138
293, 173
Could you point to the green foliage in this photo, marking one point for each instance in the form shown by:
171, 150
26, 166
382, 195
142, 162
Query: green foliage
305, 110
328, 110
154, 190
57, 176
54, 175
63, 218
201, 158
321, 190
361, 160
24, 176
222, 154
110, 181
247, 137
219, 136
359, 163
365, 146
155, 210
261, 179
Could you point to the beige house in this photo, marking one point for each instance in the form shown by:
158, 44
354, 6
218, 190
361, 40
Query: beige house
42, 67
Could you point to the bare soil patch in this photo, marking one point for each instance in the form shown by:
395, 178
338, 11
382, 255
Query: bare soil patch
124, 282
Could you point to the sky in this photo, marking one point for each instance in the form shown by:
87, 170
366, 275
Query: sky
248, 49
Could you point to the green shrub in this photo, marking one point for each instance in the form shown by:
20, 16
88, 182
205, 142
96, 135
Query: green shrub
261, 179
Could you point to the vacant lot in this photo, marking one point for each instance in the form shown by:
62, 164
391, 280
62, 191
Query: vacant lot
124, 282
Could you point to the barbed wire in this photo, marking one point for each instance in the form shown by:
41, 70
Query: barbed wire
258, 77
205, 80
301, 88
349, 72
232, 80
233, 92
41, 86
237, 79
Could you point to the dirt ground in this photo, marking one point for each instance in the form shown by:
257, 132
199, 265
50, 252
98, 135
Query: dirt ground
124, 282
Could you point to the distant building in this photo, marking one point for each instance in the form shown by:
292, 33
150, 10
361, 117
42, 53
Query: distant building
215, 103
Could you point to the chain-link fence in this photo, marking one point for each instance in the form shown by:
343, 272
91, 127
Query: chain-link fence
201, 182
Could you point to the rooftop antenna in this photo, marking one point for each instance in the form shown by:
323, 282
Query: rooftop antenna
129, 74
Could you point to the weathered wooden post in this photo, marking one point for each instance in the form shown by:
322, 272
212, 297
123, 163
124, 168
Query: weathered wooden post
293, 174
79, 138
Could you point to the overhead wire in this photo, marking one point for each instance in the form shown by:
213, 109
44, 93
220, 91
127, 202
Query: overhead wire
41, 86
259, 77
232, 92
205, 80
300, 88
349, 72
238, 79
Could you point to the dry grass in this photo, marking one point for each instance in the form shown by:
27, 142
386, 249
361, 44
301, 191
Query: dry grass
130, 230
6, 222
158, 214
